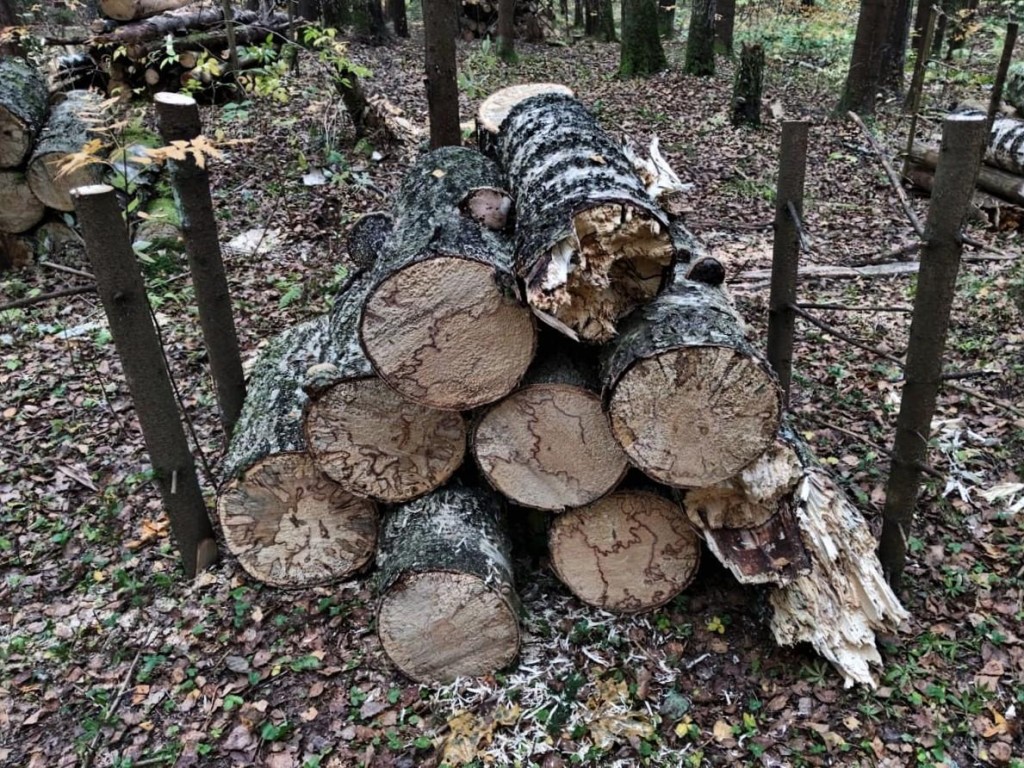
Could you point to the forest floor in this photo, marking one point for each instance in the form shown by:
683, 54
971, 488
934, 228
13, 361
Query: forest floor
111, 659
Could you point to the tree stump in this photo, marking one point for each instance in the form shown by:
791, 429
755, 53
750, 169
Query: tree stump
690, 400
66, 132
441, 324
23, 107
363, 434
548, 445
590, 243
747, 86
448, 606
628, 552
287, 522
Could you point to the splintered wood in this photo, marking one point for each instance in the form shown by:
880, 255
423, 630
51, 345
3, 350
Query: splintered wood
289, 525
631, 551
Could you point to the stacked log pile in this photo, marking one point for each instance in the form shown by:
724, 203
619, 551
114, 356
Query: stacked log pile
479, 19
34, 141
165, 45
999, 199
640, 418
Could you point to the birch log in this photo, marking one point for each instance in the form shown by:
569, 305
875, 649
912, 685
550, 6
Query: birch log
363, 434
441, 325
23, 106
287, 522
690, 400
65, 133
591, 245
628, 552
448, 606
129, 10
495, 108
548, 445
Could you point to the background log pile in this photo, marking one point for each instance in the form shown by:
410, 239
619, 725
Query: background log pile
479, 18
34, 139
637, 416
165, 45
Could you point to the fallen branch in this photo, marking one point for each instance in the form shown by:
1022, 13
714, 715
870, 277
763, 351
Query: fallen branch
40, 298
832, 331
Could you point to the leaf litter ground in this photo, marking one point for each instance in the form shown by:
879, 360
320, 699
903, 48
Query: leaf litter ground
110, 659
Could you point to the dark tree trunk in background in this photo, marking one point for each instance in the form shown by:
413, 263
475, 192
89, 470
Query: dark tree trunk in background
864, 78
577, 16
700, 42
641, 53
746, 94
924, 9
894, 54
600, 21
667, 18
368, 18
9, 18
399, 17
506, 29
309, 10
725, 24
590, 17
337, 13
440, 24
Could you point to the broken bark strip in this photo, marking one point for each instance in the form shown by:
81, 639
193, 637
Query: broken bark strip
548, 445
441, 325
590, 243
23, 106
20, 210
495, 108
628, 552
129, 10
363, 434
689, 398
65, 133
448, 606
287, 522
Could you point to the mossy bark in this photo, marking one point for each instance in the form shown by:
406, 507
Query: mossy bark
641, 53
23, 108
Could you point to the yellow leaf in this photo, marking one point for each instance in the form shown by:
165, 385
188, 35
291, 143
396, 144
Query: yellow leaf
98, 576
722, 731
682, 728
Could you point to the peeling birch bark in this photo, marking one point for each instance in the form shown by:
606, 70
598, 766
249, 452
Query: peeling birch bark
591, 245
448, 606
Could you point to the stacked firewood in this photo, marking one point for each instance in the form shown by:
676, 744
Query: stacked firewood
999, 199
166, 45
479, 18
636, 415
35, 138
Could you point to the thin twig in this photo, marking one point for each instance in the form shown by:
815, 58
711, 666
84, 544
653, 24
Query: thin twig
953, 375
847, 308
805, 245
844, 336
111, 710
881, 258
69, 270
985, 398
897, 185
40, 298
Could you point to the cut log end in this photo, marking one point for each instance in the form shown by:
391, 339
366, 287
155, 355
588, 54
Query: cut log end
15, 139
52, 186
375, 443
615, 259
631, 551
20, 210
549, 446
695, 416
436, 626
443, 334
495, 108
289, 525
489, 206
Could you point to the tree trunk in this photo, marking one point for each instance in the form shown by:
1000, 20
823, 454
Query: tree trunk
921, 15
65, 133
23, 107
130, 10
337, 13
399, 17
495, 108
864, 79
700, 42
448, 606
689, 398
369, 23
309, 10
178, 119
894, 53
629, 552
20, 210
548, 444
605, 31
590, 243
667, 18
725, 24
123, 294
506, 29
440, 24
363, 434
441, 324
287, 523
577, 18
747, 87
641, 53
10, 47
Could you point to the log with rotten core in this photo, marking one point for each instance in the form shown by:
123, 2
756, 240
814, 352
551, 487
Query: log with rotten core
431, 326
